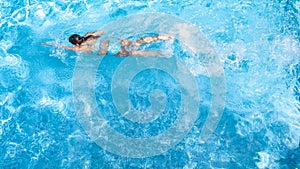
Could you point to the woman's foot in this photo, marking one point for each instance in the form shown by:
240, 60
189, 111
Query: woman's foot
164, 37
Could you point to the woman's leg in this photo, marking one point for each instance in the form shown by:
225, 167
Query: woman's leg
130, 44
151, 39
150, 53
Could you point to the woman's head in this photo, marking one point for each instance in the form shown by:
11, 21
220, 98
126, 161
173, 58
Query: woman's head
76, 39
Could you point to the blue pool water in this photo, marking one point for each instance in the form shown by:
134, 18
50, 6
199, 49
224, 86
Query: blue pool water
257, 43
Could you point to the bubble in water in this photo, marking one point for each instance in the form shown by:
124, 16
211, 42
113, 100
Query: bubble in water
76, 8
9, 61
20, 15
2, 53
13, 71
39, 13
47, 76
264, 160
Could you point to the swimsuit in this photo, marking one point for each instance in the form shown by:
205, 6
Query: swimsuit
113, 47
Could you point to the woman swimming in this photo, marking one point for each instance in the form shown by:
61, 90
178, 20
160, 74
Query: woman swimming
88, 44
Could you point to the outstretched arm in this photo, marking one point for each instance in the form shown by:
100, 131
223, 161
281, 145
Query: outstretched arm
96, 33
73, 48
50, 44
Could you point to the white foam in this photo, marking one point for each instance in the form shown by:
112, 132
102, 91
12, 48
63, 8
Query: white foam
10, 61
264, 160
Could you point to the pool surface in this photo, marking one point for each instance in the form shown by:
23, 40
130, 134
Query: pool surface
225, 93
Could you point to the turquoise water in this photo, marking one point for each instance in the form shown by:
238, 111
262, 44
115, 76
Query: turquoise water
257, 43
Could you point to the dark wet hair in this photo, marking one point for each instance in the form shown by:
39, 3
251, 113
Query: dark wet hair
76, 39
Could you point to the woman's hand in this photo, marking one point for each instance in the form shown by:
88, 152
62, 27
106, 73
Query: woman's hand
50, 44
